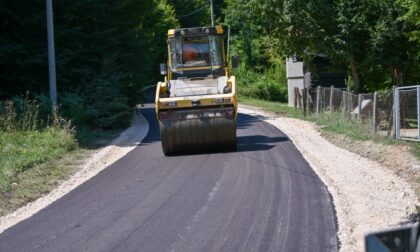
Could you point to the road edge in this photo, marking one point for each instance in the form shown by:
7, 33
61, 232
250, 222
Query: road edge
100, 160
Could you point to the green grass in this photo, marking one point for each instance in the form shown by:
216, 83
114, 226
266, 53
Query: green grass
269, 84
40, 179
337, 123
39, 149
21, 150
279, 108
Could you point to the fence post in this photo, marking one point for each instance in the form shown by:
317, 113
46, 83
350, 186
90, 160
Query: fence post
359, 106
397, 113
392, 122
344, 108
418, 113
308, 100
318, 94
295, 98
299, 98
331, 97
375, 99
304, 100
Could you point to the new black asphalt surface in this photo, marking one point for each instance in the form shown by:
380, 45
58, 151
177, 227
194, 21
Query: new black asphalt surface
263, 197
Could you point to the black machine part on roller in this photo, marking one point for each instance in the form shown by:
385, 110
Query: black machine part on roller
198, 130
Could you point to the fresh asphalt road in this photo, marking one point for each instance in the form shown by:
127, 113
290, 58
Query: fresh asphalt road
263, 197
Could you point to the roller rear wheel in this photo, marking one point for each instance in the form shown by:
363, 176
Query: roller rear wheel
198, 135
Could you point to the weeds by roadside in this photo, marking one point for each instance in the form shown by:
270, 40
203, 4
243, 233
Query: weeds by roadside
40, 148
335, 123
29, 135
269, 84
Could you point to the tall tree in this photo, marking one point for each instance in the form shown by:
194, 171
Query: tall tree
411, 16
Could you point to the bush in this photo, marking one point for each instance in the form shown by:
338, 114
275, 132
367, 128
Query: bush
268, 85
107, 107
29, 114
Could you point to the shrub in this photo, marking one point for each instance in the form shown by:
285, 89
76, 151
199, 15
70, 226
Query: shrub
268, 85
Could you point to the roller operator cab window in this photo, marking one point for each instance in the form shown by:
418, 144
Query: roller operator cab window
196, 51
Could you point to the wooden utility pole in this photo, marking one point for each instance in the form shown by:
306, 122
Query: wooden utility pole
51, 54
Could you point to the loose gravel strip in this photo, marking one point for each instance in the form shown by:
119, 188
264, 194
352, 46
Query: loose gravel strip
101, 159
367, 196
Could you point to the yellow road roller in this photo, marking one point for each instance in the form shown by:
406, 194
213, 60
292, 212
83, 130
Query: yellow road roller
196, 104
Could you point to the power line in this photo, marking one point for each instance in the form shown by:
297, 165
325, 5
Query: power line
193, 12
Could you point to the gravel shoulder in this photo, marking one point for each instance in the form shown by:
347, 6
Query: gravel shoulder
368, 195
95, 163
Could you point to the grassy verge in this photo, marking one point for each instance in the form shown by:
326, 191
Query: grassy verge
32, 163
21, 150
39, 180
276, 107
334, 123
39, 149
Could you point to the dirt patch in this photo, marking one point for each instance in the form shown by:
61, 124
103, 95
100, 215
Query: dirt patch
367, 194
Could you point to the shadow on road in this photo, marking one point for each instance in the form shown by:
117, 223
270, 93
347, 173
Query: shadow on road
244, 142
153, 135
245, 121
257, 142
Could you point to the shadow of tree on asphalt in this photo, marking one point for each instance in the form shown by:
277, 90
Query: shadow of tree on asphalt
245, 143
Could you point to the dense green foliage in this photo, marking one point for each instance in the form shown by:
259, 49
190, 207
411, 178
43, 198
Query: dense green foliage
106, 52
375, 40
262, 71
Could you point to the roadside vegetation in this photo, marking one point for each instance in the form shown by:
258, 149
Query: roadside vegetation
332, 123
30, 135
375, 43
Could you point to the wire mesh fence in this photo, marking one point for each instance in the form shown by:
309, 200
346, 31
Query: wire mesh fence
376, 110
407, 113
383, 123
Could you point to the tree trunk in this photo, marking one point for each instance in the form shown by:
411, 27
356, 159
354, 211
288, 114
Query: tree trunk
355, 76
395, 76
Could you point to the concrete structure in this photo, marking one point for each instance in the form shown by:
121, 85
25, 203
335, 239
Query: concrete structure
296, 77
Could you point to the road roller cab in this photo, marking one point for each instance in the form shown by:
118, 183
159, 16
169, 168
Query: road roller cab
196, 104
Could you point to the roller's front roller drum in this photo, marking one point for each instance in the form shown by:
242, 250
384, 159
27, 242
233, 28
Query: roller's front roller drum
198, 135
